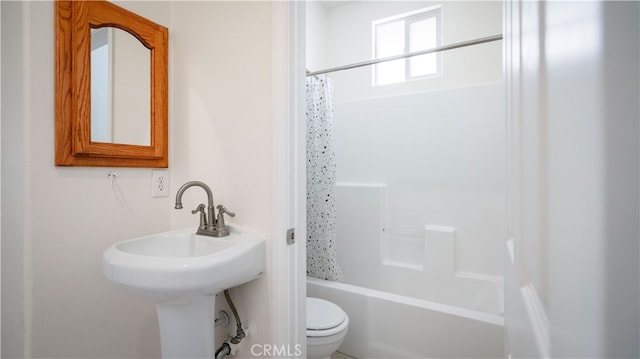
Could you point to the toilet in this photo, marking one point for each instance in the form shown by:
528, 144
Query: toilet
327, 324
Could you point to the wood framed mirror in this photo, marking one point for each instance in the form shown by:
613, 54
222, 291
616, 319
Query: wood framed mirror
74, 143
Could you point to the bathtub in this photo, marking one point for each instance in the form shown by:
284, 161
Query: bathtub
386, 325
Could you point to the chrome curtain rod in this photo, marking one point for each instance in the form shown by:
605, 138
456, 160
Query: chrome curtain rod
409, 54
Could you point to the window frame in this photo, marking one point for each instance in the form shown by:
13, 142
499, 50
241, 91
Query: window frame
408, 18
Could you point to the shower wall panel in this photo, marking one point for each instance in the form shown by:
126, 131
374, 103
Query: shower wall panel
441, 156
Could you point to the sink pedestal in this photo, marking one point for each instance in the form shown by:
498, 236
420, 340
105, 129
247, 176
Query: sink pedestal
186, 329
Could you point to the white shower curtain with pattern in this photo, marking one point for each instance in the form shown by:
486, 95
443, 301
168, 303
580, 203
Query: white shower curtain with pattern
321, 182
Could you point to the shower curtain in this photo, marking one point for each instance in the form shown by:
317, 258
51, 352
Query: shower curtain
321, 182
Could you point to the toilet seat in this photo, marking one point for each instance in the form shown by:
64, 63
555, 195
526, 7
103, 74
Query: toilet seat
324, 318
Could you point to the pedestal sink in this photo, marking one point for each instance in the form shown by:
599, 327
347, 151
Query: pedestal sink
181, 272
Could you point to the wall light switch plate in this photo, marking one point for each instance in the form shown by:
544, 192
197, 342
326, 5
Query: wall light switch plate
160, 183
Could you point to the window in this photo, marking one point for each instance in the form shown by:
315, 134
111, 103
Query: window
401, 34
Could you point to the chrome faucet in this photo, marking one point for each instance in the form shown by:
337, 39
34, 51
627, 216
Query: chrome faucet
209, 224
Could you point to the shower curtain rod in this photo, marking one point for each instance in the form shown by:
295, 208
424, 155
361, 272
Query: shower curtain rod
409, 54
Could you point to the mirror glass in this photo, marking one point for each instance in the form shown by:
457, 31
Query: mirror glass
120, 77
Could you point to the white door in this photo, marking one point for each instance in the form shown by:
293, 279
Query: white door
572, 276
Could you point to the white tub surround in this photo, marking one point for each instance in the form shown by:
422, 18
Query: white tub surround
384, 325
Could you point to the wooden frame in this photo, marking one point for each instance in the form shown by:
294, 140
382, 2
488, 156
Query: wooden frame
73, 145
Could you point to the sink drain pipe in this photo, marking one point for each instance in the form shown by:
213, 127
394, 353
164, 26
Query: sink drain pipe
229, 345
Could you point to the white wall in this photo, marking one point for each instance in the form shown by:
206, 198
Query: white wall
222, 128
315, 35
347, 39
57, 221
0, 186
12, 206
572, 273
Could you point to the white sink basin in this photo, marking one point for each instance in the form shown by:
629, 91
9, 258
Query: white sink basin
179, 266
181, 272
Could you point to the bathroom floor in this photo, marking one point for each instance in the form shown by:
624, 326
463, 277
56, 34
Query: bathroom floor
338, 355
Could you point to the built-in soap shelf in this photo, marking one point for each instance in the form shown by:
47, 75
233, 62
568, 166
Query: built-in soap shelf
434, 251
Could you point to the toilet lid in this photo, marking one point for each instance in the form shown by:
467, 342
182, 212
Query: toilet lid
322, 314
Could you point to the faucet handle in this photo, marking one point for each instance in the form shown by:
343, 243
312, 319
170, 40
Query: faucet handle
200, 209
222, 210
221, 227
203, 216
